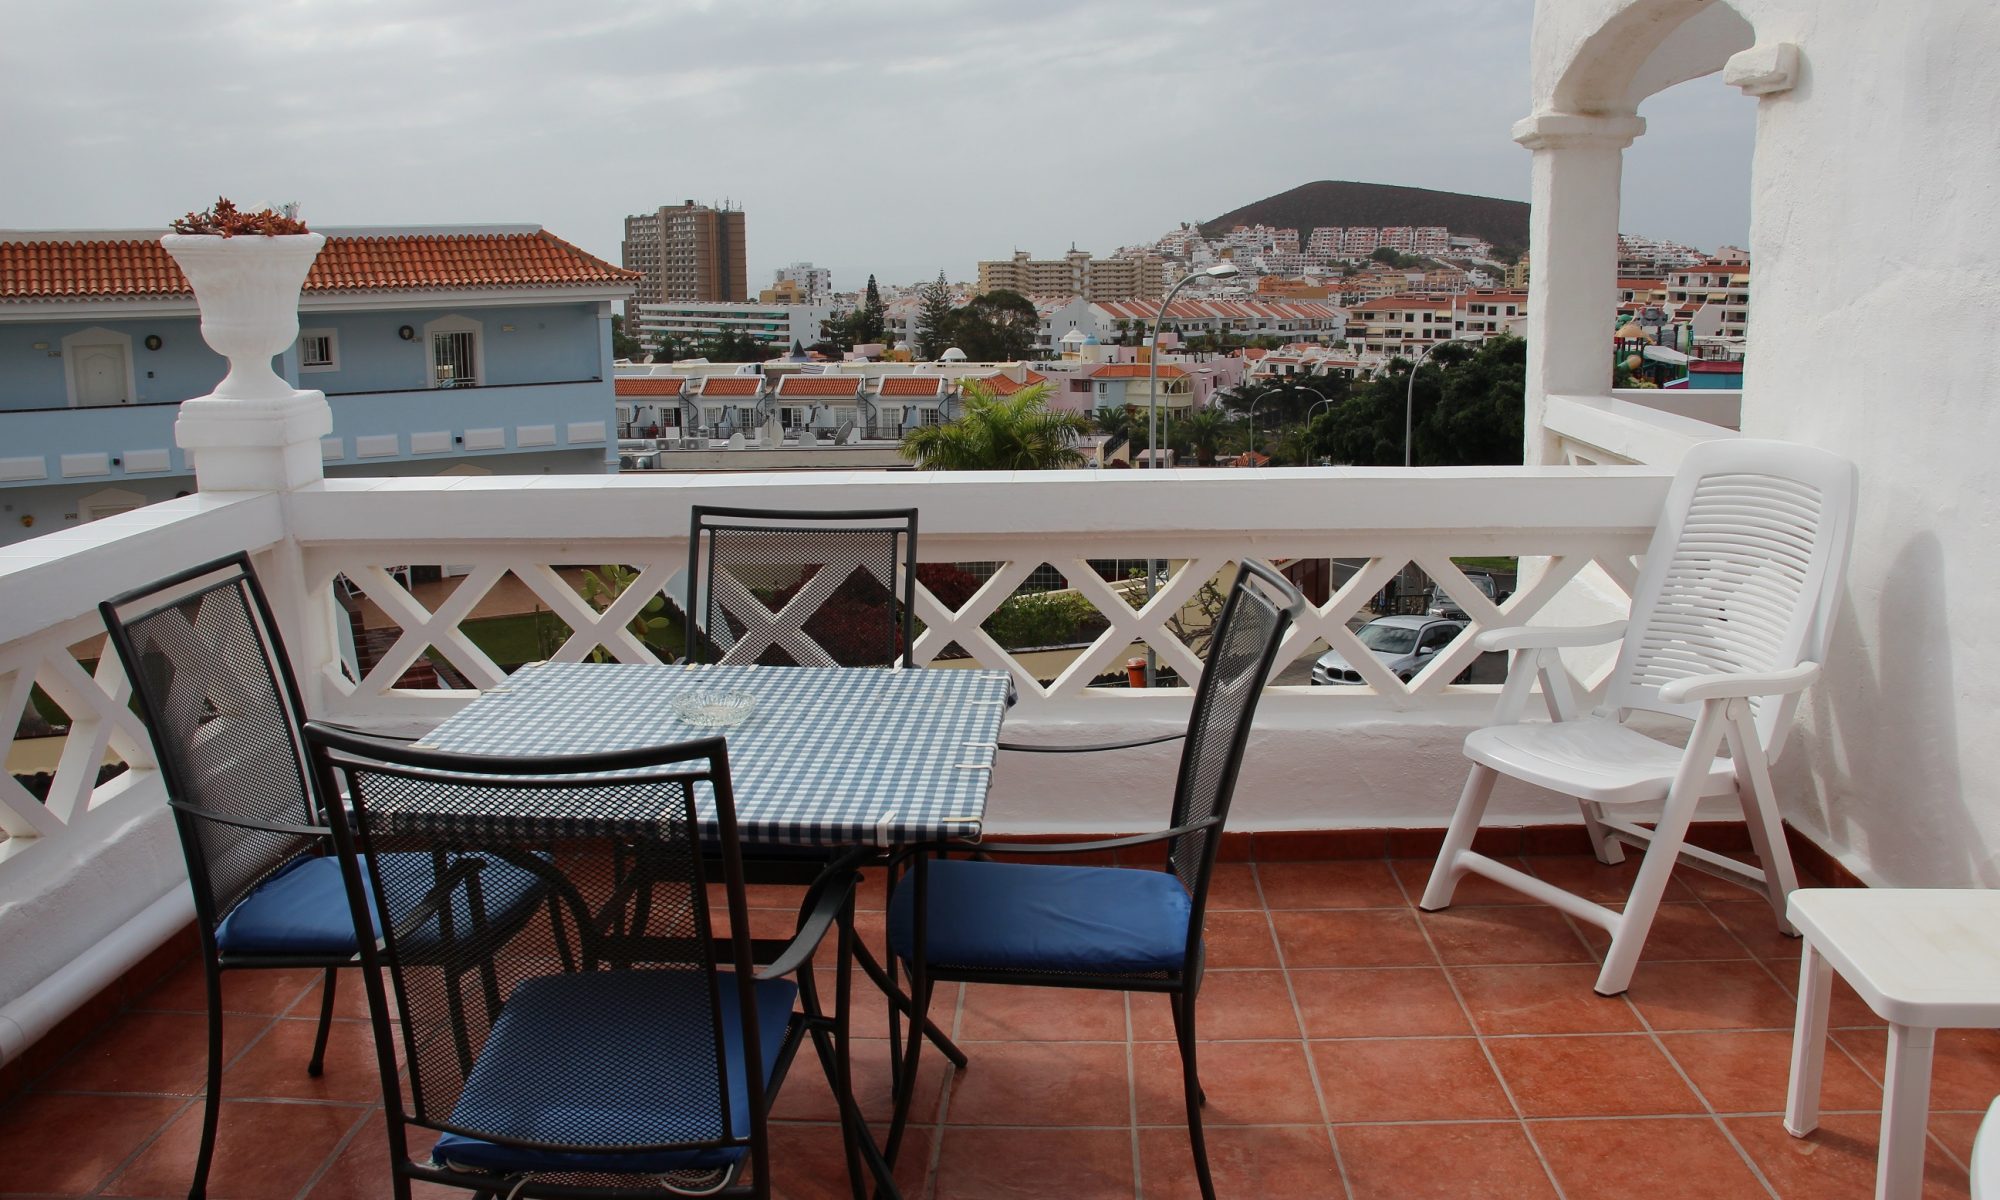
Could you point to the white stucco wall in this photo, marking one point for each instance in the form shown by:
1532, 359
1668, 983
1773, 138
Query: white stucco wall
1875, 200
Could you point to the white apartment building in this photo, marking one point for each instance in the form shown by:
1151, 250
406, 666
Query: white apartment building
815, 284
1718, 292
778, 325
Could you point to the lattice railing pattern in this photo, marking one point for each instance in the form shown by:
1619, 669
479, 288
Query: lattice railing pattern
434, 627
100, 726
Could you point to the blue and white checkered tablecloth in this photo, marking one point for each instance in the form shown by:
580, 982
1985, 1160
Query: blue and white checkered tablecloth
829, 756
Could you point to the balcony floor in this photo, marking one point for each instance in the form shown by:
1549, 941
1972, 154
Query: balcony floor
1352, 1047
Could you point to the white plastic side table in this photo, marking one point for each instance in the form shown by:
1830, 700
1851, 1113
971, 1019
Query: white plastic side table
1924, 960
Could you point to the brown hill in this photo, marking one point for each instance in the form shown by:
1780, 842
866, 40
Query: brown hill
1341, 202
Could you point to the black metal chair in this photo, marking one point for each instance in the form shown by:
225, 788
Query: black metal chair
608, 1051
212, 682
808, 589
1115, 928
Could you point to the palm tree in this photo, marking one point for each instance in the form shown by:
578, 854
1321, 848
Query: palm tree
1202, 430
995, 433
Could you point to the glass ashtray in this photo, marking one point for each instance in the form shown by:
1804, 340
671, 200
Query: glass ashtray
714, 708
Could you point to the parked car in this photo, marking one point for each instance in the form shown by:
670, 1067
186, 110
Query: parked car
1442, 605
1404, 644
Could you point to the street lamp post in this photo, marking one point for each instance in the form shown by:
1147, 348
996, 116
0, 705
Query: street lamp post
1322, 400
1410, 396
1221, 270
1254, 401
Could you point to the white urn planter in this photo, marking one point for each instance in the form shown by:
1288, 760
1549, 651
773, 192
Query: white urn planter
254, 432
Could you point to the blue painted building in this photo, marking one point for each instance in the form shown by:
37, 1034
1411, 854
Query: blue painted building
480, 349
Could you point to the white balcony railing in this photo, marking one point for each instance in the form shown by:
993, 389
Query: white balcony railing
93, 859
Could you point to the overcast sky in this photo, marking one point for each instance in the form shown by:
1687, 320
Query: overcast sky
892, 136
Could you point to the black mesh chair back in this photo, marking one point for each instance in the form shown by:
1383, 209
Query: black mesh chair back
1261, 606
802, 589
214, 688
595, 1045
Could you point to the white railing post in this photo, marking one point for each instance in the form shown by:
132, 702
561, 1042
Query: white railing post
255, 432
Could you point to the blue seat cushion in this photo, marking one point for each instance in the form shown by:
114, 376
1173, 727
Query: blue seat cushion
303, 908
1098, 920
605, 1058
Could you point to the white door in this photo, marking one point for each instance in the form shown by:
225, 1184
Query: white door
100, 374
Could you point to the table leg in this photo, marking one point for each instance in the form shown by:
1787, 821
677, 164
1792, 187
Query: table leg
1808, 1043
1906, 1102
937, 1036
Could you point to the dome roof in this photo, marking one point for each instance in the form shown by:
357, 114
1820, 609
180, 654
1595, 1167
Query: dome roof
952, 355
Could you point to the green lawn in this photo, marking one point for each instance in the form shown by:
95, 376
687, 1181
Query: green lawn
532, 637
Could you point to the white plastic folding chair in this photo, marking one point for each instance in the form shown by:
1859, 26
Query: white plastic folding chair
1729, 621
1986, 1156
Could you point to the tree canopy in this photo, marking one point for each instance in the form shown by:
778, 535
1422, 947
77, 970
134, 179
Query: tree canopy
996, 326
623, 345
934, 318
1467, 410
1000, 433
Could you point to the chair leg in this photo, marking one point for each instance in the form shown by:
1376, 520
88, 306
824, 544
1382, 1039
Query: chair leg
211, 1112
1760, 814
1183, 1008
1662, 853
1609, 850
1458, 838
318, 1063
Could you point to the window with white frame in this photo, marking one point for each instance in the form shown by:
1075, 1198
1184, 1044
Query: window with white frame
455, 357
319, 350
929, 416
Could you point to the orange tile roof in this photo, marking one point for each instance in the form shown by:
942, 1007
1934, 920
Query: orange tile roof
77, 270
649, 385
732, 385
1133, 371
1001, 385
792, 387
912, 385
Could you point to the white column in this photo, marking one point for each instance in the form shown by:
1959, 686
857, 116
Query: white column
1573, 249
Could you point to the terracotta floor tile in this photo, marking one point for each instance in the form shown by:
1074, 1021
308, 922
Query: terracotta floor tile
1378, 1002
1042, 1083
1616, 1075
1232, 887
1752, 923
870, 1015
1472, 889
1957, 1132
74, 1143
998, 1012
1684, 1158
1704, 886
275, 1068
362, 1172
1679, 933
1835, 1161
809, 1162
246, 1168
1356, 883
1035, 1164
1287, 1162
1965, 1065
1846, 1009
1721, 995
1239, 939
1248, 1083
350, 999
1355, 938
1441, 1162
1748, 1071
1592, 880
258, 992
806, 1095
1408, 1079
1231, 1006
1547, 999
1510, 935
150, 1052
